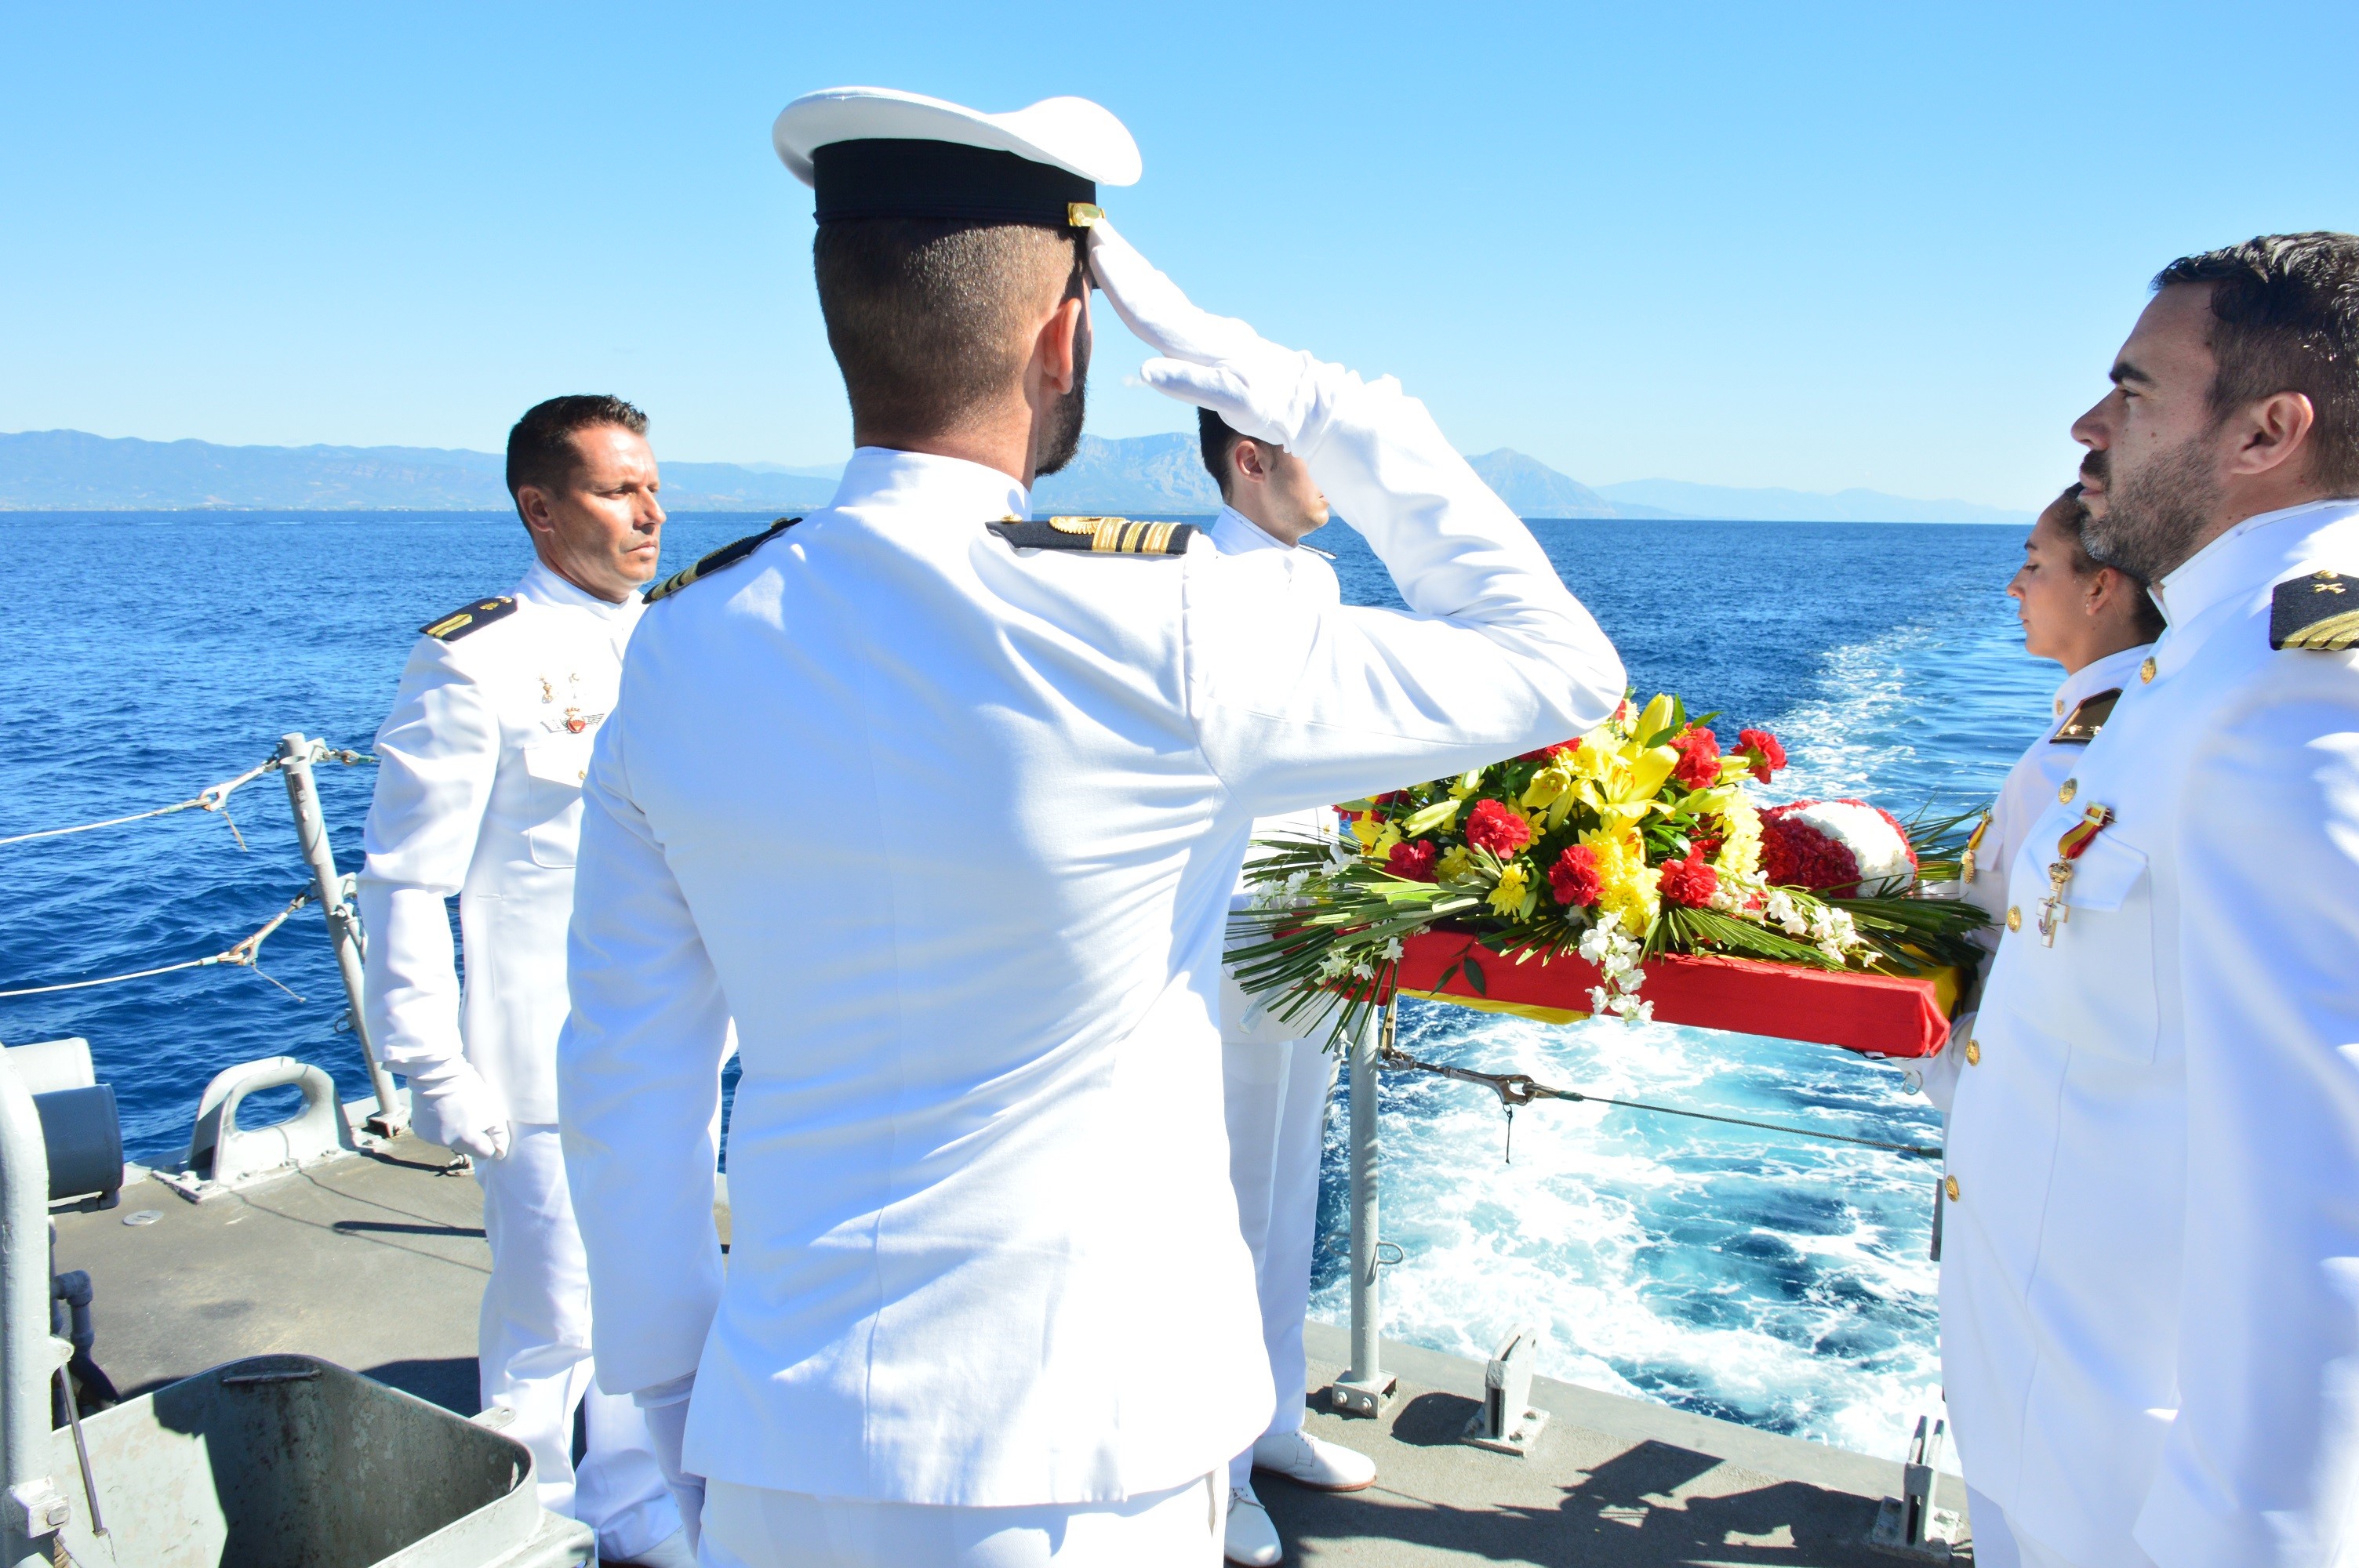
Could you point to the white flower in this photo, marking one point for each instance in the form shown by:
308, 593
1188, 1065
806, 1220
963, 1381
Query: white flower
1363, 972
1391, 949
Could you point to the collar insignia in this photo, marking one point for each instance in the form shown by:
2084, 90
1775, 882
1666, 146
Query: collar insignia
2319, 612
2087, 719
727, 555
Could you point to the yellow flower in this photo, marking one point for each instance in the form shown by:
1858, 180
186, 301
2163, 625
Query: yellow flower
1383, 848
1626, 882
1515, 885
1365, 828
1740, 852
1455, 863
1548, 784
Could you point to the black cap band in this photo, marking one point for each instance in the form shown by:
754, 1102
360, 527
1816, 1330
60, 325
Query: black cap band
900, 178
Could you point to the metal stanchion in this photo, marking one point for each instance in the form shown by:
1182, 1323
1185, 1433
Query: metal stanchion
1365, 1386
295, 755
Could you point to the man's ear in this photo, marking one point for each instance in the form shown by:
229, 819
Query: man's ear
2271, 432
533, 502
1246, 457
1057, 347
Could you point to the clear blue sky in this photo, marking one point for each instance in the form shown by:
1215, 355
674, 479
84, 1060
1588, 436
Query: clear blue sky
1804, 246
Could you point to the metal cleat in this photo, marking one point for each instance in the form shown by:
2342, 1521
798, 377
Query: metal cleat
1909, 1525
1507, 1423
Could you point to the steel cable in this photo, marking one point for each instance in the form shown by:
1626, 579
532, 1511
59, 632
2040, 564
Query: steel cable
245, 954
1521, 1088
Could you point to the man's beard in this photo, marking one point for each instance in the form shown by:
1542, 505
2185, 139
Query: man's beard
1061, 436
2156, 512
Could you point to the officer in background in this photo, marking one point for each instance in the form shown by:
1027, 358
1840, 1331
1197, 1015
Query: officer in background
2099, 622
479, 795
1275, 1086
946, 805
2150, 1280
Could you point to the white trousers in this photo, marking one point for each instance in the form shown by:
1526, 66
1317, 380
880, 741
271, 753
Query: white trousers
753, 1526
1275, 1097
1997, 1543
533, 1351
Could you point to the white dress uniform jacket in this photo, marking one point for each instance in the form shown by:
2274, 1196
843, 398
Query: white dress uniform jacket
482, 764
2150, 1284
2029, 788
951, 829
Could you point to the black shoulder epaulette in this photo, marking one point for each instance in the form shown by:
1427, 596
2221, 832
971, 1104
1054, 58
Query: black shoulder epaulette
1102, 535
2319, 611
727, 555
2087, 719
470, 619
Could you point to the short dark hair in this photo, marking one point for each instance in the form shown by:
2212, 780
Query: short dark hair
542, 452
2285, 309
1217, 442
2072, 515
923, 313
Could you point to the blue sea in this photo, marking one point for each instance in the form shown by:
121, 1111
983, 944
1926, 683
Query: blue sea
1765, 1278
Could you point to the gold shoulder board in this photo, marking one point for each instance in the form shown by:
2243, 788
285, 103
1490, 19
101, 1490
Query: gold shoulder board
727, 555
2087, 719
468, 619
1098, 536
2319, 612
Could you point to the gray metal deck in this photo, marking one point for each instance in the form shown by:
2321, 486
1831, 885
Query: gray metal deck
377, 1262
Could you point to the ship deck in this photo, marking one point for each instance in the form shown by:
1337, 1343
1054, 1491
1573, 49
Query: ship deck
377, 1262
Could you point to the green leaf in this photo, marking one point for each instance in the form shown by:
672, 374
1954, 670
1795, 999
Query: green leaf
1474, 978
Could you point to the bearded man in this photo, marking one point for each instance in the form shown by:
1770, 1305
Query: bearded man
2150, 1281
944, 804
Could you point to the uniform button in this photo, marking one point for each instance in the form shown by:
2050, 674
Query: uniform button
2072, 787
2015, 918
1974, 1053
1949, 1186
2145, 670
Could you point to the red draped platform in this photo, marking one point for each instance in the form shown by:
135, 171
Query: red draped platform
1887, 1015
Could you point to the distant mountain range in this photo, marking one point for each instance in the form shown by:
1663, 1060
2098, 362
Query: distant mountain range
68, 470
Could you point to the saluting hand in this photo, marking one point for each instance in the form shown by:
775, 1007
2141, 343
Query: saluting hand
1274, 394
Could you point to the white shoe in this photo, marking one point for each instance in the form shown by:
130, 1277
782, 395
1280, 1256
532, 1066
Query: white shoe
672, 1552
1322, 1466
1252, 1539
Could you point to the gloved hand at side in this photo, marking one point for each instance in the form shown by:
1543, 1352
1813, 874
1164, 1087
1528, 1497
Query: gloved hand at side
1281, 396
454, 1106
666, 1408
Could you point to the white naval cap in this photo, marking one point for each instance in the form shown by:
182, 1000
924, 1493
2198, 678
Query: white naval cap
874, 152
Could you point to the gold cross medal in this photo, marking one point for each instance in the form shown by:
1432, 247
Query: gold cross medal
2053, 911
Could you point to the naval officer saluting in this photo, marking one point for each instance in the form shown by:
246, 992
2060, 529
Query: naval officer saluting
2098, 622
2150, 1280
1274, 1084
945, 805
478, 795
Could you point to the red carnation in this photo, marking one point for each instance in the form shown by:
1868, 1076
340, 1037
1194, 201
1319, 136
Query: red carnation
1551, 753
1414, 861
1492, 827
1689, 882
1761, 748
1698, 759
1390, 797
1574, 876
1795, 854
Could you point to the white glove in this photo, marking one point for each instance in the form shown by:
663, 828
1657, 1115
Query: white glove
666, 1409
1280, 395
452, 1105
